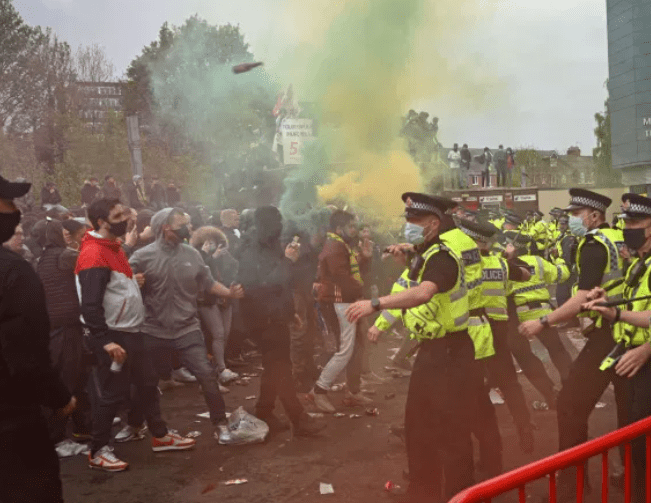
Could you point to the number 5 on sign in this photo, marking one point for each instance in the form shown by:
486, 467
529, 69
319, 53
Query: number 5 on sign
293, 148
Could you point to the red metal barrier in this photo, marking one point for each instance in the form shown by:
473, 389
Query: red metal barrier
547, 467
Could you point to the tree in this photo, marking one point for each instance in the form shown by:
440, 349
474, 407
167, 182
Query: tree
183, 88
532, 162
605, 174
91, 64
18, 45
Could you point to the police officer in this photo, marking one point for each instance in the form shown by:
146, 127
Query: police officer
497, 273
446, 380
631, 328
531, 300
598, 265
564, 248
486, 431
538, 233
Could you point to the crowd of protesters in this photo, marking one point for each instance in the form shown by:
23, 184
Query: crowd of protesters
136, 293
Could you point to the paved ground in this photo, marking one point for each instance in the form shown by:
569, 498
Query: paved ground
356, 456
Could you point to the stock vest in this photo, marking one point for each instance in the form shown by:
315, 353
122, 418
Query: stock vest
613, 278
635, 336
532, 298
494, 287
444, 312
388, 317
478, 325
538, 232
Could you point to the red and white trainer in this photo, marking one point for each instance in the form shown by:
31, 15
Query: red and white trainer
172, 442
104, 459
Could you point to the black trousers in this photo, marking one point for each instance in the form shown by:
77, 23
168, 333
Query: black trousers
302, 342
112, 389
530, 364
502, 374
71, 359
442, 403
579, 395
501, 176
487, 432
276, 379
640, 408
29, 466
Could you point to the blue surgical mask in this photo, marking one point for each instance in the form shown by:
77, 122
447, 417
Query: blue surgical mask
576, 226
414, 234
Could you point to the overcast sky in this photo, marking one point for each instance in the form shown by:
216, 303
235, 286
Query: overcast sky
551, 54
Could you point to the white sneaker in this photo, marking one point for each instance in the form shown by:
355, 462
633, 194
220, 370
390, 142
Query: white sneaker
321, 402
172, 442
228, 375
104, 459
182, 375
131, 433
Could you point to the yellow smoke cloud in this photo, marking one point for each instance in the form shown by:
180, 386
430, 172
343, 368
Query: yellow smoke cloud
365, 63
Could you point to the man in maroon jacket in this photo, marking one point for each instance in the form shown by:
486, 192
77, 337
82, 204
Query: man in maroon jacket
340, 283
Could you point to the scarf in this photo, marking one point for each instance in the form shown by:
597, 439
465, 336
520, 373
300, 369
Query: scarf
354, 264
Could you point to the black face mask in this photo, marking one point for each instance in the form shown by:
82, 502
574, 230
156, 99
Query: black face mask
182, 232
8, 224
119, 229
634, 239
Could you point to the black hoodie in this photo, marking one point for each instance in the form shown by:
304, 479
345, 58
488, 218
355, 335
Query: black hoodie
266, 275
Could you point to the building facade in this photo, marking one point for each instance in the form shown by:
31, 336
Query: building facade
629, 87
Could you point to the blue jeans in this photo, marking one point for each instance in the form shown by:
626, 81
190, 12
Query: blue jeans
191, 349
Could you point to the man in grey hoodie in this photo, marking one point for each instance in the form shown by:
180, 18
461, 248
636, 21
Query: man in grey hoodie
175, 273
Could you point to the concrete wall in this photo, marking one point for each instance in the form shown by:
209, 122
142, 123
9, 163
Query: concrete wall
548, 199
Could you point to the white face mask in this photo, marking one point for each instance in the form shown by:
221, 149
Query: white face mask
576, 226
414, 234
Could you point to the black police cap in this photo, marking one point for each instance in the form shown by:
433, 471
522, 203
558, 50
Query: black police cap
513, 219
417, 204
638, 207
480, 231
517, 239
582, 198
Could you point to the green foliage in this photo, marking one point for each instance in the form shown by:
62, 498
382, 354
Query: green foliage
183, 87
605, 174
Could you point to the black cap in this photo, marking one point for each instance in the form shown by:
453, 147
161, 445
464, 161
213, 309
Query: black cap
638, 207
538, 213
12, 190
417, 204
517, 239
513, 219
479, 231
582, 198
556, 211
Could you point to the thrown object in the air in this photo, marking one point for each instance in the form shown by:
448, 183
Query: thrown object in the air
246, 67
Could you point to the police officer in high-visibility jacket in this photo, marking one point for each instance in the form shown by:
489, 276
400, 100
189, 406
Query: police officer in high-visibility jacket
446, 380
531, 300
599, 264
497, 273
539, 234
487, 430
631, 361
564, 248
